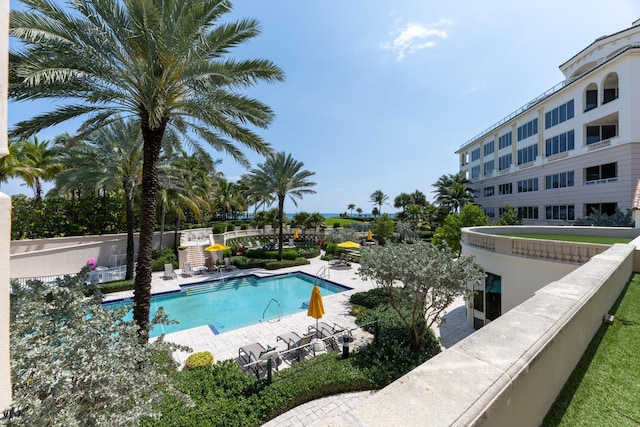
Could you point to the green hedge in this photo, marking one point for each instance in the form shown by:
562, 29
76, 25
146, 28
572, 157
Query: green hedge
121, 285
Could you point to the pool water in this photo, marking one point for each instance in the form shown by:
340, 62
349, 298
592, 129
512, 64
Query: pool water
224, 305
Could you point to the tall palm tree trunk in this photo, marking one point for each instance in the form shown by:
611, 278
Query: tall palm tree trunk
128, 194
281, 221
142, 285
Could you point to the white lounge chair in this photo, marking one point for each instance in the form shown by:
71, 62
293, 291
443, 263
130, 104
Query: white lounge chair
168, 272
187, 271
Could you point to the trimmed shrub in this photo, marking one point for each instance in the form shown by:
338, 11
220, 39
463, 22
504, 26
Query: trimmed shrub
121, 285
231, 227
199, 360
161, 257
310, 252
371, 298
274, 265
219, 227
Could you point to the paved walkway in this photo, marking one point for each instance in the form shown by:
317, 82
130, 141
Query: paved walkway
225, 345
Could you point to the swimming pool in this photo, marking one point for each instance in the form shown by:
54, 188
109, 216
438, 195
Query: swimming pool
229, 304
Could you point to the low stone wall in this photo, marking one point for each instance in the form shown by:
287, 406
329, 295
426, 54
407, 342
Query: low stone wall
510, 371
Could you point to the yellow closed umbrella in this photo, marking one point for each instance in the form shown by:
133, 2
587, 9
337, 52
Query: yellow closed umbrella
295, 234
369, 236
217, 247
316, 308
348, 245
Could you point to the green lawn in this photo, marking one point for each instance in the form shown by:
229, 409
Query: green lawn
342, 221
604, 389
572, 238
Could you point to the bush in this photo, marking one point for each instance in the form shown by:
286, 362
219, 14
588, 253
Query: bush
231, 227
219, 228
199, 360
120, 285
274, 265
371, 298
310, 252
161, 257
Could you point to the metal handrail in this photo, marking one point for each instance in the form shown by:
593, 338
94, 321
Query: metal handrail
324, 271
267, 307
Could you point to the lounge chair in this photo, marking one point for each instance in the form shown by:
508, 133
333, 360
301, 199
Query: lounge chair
227, 265
168, 272
343, 261
329, 333
256, 356
296, 342
187, 271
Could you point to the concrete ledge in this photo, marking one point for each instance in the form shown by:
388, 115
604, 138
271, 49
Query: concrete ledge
510, 371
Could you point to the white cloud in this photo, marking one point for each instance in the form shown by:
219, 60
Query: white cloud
415, 37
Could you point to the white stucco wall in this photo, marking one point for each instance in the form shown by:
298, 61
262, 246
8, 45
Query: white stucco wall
5, 216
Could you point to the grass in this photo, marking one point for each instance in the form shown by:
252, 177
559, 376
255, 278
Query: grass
604, 387
342, 221
571, 238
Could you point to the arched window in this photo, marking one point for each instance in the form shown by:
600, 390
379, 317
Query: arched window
610, 88
591, 97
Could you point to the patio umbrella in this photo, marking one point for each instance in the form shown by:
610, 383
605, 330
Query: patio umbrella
349, 245
217, 247
316, 308
295, 234
369, 236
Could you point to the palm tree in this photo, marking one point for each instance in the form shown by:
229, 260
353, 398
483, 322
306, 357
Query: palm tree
160, 61
378, 198
282, 176
39, 162
419, 198
452, 192
351, 207
402, 200
227, 197
108, 160
359, 210
14, 163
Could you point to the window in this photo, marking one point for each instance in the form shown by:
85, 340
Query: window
489, 191
475, 172
488, 148
527, 185
504, 141
504, 162
475, 154
489, 167
505, 189
610, 95
560, 212
558, 115
591, 100
560, 143
528, 129
527, 154
528, 212
610, 88
600, 133
559, 180
476, 193
604, 208
601, 173
490, 212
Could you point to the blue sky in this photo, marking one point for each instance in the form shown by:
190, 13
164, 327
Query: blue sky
380, 94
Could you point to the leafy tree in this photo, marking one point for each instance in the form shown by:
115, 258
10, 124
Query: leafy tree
282, 176
160, 61
450, 233
78, 363
421, 281
509, 217
378, 198
452, 192
383, 227
110, 160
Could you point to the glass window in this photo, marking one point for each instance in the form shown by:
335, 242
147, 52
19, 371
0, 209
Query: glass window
609, 171
591, 100
608, 131
593, 134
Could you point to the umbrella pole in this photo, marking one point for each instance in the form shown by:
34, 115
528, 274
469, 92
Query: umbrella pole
317, 334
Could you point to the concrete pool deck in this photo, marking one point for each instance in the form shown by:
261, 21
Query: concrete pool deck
225, 345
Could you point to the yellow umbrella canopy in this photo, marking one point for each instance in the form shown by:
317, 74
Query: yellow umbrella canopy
295, 234
316, 308
369, 236
217, 247
349, 244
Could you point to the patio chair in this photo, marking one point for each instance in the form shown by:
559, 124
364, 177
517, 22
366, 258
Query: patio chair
168, 272
256, 356
328, 333
228, 266
295, 342
187, 271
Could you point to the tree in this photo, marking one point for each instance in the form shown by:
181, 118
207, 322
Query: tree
109, 160
420, 280
359, 210
450, 234
351, 207
451, 191
282, 176
378, 198
509, 217
402, 200
419, 198
78, 363
160, 61
39, 162
14, 163
383, 227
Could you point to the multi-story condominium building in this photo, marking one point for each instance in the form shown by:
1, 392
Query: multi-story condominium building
572, 149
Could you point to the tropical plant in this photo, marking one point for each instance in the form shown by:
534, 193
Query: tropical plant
452, 192
15, 163
282, 176
402, 200
378, 198
351, 207
359, 210
431, 279
383, 227
108, 160
450, 234
160, 61
509, 216
78, 363
419, 198
38, 163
